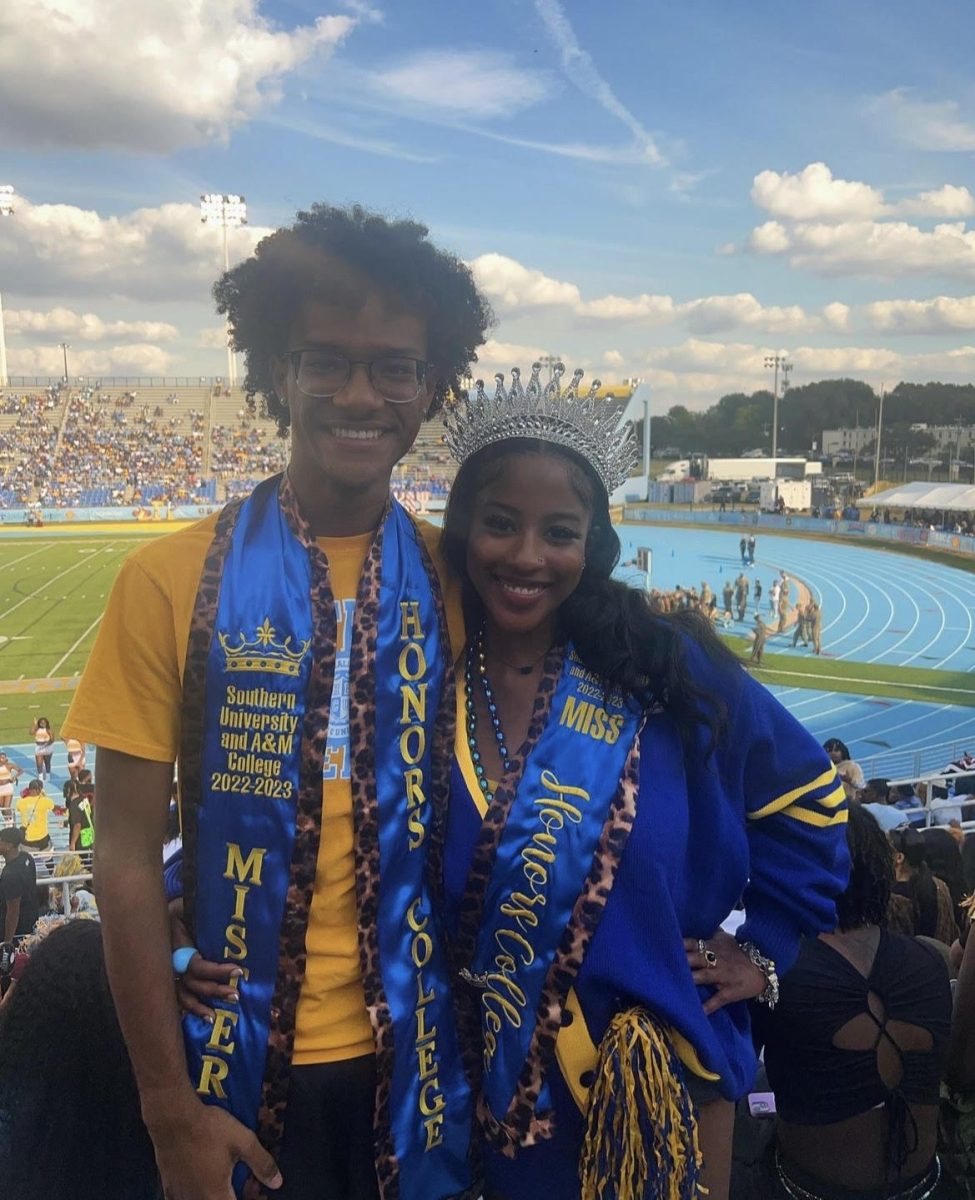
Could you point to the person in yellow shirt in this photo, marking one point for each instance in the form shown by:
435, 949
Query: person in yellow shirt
294, 654
33, 810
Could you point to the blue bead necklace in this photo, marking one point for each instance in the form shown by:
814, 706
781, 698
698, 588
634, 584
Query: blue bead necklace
475, 662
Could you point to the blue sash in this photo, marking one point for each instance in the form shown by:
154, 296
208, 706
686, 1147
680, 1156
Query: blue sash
252, 775
565, 826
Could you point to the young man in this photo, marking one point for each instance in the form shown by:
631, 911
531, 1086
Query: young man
293, 654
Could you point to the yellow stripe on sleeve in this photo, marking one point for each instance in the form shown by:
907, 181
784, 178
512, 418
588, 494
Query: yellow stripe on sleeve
820, 820
788, 798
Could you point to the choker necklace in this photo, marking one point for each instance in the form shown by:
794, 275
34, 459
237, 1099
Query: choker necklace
475, 662
511, 666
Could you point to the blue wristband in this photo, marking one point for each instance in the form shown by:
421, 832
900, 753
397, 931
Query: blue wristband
181, 958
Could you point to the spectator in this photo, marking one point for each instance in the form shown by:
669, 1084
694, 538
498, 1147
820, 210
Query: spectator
957, 1142
856, 1047
921, 903
9, 774
33, 809
847, 770
43, 745
18, 887
70, 1127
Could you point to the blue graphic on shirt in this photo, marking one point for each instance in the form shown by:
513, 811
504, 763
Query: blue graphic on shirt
337, 765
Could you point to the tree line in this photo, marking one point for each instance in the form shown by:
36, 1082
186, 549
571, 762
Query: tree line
740, 422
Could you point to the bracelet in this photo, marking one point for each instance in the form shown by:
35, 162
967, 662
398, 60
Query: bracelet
181, 958
770, 996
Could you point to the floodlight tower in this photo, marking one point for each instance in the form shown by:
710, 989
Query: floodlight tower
229, 212
776, 363
6, 210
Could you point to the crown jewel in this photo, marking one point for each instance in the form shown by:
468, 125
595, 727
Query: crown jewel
563, 416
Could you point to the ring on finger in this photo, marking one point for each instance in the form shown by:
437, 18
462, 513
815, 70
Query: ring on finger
702, 946
710, 958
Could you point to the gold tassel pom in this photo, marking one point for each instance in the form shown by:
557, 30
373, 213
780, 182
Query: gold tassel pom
641, 1136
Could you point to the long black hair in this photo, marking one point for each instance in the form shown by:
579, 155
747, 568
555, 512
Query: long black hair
921, 889
614, 628
943, 855
60, 1040
867, 895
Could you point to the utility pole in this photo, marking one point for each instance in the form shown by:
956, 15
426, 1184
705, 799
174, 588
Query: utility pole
880, 428
229, 212
6, 210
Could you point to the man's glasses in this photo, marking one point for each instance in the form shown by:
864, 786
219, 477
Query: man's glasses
324, 373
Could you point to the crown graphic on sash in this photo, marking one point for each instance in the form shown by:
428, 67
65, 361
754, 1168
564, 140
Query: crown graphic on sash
264, 653
579, 421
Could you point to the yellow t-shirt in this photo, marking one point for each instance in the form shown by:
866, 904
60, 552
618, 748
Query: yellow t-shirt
129, 700
32, 814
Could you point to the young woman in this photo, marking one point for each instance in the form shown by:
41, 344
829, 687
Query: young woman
9, 774
43, 737
856, 1049
921, 902
850, 772
620, 781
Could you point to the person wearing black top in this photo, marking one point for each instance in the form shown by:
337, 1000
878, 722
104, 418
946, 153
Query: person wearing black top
856, 1049
18, 886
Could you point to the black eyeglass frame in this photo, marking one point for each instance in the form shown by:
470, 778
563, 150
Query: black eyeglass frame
422, 366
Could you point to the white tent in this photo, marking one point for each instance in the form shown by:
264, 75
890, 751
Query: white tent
944, 497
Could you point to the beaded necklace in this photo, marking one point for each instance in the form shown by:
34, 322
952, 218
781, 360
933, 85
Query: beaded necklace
475, 662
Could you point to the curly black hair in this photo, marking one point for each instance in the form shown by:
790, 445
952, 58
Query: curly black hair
614, 628
867, 895
312, 259
60, 1043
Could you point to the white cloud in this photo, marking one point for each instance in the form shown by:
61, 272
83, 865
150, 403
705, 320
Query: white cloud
769, 238
513, 286
881, 248
471, 83
135, 359
63, 322
150, 76
814, 194
150, 253
647, 309
942, 314
581, 71
945, 201
502, 356
928, 125
212, 339
364, 11
837, 316
613, 358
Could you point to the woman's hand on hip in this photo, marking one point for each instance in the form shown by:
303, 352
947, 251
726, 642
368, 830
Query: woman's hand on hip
720, 963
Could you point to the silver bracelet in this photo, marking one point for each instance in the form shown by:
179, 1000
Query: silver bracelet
770, 996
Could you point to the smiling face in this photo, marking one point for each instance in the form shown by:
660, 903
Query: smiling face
347, 444
526, 546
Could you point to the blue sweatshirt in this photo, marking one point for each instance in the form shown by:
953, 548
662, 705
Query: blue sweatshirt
761, 819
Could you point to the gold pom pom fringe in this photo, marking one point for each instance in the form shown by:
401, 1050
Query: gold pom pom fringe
641, 1136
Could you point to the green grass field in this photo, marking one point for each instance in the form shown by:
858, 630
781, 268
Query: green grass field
53, 589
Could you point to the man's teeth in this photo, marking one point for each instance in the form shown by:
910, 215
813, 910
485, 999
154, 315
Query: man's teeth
523, 589
364, 435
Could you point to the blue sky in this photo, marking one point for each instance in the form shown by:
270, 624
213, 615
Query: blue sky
663, 190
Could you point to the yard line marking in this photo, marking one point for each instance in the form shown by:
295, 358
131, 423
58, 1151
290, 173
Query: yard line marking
927, 687
14, 561
46, 584
65, 657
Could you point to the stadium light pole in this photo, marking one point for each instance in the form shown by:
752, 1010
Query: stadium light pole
776, 363
6, 210
229, 212
64, 347
880, 428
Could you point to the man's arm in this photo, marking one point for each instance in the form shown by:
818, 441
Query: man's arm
12, 919
196, 1146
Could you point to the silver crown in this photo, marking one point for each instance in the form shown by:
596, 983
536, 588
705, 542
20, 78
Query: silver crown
581, 423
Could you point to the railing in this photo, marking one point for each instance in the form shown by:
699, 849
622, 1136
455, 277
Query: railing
109, 381
913, 764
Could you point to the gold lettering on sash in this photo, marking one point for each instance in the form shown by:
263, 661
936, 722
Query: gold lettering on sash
503, 999
431, 1099
413, 740
244, 869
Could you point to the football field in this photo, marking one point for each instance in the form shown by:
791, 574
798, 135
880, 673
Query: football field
53, 588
